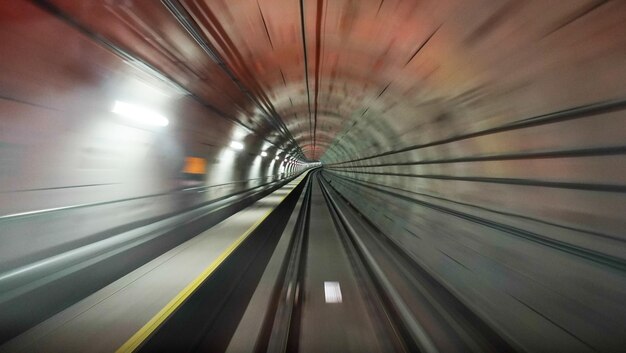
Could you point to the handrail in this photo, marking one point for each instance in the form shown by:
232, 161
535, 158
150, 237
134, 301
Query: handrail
22, 279
18, 215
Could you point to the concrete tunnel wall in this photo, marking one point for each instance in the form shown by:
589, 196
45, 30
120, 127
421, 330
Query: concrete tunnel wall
512, 194
73, 174
71, 169
502, 175
107, 174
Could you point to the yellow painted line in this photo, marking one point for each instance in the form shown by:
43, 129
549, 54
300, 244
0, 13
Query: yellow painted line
157, 320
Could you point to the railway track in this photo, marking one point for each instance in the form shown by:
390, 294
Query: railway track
318, 277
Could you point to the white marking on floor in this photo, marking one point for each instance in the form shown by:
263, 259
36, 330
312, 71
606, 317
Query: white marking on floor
332, 291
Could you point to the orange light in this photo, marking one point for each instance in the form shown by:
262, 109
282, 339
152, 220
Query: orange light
194, 165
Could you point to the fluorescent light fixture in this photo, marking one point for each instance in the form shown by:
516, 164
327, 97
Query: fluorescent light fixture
139, 114
236, 145
276, 158
263, 154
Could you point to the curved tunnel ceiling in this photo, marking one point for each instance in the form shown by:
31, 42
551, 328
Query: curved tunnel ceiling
315, 58
303, 74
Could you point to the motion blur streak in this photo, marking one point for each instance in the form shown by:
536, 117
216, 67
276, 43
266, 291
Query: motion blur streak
485, 139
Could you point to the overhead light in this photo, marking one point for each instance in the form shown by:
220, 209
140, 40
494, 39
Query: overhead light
236, 145
139, 114
277, 158
263, 154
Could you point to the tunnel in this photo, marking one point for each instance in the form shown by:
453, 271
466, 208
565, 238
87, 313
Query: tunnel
312, 176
